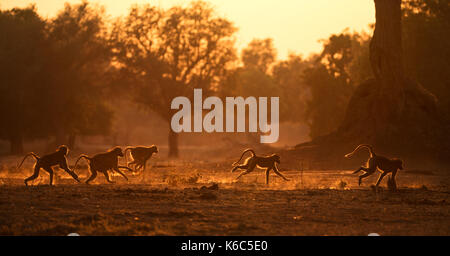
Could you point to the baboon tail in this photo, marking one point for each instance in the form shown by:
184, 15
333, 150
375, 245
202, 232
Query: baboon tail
243, 153
79, 158
27, 155
369, 147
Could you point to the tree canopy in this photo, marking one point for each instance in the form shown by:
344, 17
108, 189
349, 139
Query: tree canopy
52, 74
59, 76
167, 53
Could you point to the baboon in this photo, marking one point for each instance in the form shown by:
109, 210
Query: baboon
140, 156
46, 162
384, 164
104, 162
268, 162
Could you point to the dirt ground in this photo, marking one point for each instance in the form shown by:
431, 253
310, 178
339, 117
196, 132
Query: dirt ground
169, 200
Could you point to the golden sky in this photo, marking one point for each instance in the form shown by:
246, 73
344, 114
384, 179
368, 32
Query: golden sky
295, 25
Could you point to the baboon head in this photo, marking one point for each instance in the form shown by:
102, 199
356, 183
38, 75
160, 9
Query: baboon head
154, 149
276, 158
118, 151
399, 163
64, 149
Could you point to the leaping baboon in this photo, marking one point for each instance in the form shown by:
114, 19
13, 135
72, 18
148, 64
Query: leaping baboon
104, 162
268, 162
140, 156
46, 162
384, 164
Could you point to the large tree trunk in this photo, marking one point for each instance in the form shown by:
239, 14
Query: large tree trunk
386, 62
16, 144
386, 45
392, 112
375, 110
173, 143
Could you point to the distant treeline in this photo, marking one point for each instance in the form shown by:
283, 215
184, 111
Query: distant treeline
60, 76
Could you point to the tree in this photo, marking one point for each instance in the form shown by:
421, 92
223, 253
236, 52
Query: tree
328, 97
426, 45
407, 110
167, 53
53, 75
259, 54
78, 64
22, 42
330, 79
392, 112
337, 54
252, 78
288, 75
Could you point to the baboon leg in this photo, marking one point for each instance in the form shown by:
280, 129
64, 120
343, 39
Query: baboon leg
249, 170
393, 179
363, 176
267, 176
380, 178
35, 174
239, 167
93, 175
369, 171
121, 173
242, 173
124, 167
277, 172
394, 173
73, 174
133, 163
107, 177
362, 168
50, 172
145, 164
138, 167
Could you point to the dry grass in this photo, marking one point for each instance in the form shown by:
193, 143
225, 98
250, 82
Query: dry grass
170, 200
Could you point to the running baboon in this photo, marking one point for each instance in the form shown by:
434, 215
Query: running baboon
46, 162
140, 156
104, 162
384, 164
268, 162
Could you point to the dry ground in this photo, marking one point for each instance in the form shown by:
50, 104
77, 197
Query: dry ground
169, 200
